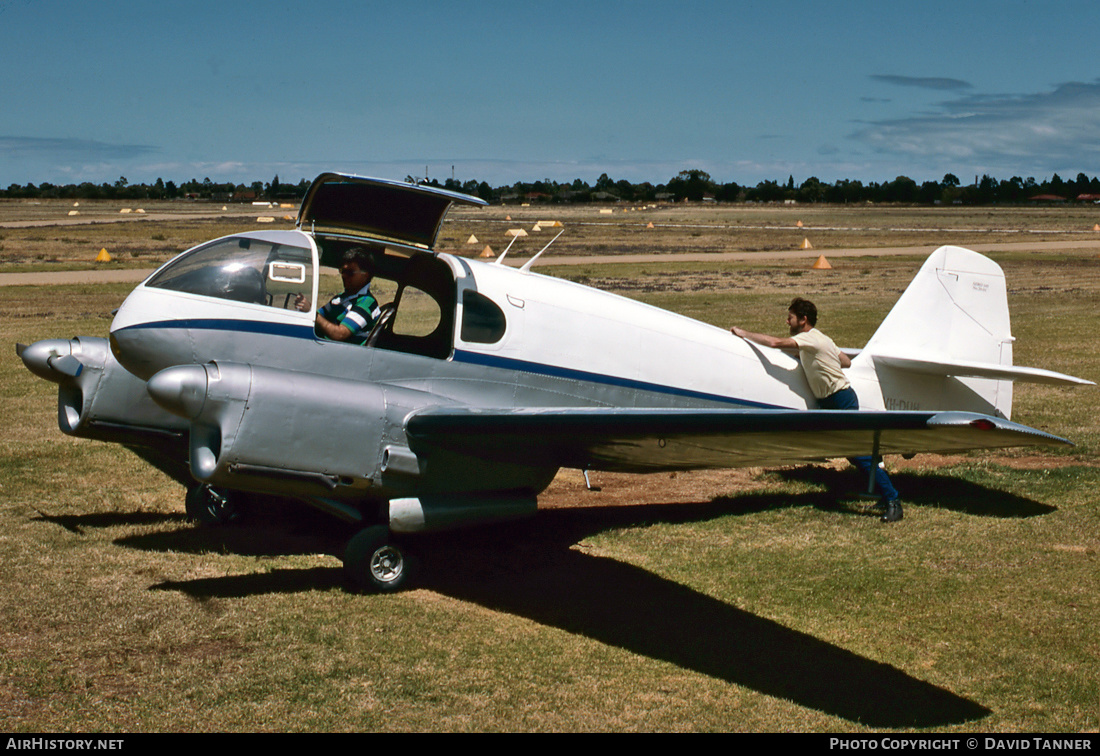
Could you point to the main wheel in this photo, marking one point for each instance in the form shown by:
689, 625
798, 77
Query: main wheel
373, 562
207, 505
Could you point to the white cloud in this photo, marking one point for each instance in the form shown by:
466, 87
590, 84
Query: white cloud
64, 150
1014, 134
923, 82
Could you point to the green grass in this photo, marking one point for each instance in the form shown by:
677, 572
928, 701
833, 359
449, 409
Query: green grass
701, 603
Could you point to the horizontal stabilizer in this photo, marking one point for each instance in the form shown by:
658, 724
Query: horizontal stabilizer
968, 369
651, 440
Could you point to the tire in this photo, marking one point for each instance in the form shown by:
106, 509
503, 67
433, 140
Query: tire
373, 562
207, 505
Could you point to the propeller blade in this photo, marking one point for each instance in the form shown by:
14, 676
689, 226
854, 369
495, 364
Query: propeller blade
66, 365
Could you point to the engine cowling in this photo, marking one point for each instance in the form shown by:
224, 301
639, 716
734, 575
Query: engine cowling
330, 440
278, 431
97, 397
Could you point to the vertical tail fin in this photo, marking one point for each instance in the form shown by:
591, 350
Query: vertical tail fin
949, 326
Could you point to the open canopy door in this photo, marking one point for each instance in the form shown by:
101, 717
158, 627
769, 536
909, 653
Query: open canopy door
377, 208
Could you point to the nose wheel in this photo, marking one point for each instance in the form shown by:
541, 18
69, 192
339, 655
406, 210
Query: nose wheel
208, 505
374, 562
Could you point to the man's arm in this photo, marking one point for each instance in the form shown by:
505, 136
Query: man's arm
332, 330
786, 344
358, 321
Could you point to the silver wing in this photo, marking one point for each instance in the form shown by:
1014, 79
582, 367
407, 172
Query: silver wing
652, 440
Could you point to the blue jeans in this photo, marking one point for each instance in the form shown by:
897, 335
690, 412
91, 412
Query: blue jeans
846, 399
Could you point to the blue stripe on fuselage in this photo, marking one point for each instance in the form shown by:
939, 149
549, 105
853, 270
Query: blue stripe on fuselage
538, 368
226, 324
469, 358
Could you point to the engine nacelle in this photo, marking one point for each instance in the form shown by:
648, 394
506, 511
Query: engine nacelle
97, 397
328, 440
277, 431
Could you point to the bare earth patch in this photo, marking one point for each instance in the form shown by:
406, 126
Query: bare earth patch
568, 489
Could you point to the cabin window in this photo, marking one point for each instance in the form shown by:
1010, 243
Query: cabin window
418, 315
420, 290
482, 321
242, 269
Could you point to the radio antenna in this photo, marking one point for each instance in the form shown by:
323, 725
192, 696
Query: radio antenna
500, 259
527, 265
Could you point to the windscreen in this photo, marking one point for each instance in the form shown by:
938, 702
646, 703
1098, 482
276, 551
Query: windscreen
242, 269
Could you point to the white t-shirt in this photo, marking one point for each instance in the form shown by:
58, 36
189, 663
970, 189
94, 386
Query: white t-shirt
820, 359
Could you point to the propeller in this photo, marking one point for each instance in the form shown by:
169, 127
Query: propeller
51, 359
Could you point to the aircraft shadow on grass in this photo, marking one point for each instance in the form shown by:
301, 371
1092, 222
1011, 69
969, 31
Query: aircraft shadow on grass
943, 491
530, 569
78, 524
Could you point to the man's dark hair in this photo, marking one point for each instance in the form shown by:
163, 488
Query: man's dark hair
361, 256
804, 308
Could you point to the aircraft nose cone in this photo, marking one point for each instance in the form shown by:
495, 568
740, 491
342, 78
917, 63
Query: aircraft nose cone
51, 359
181, 389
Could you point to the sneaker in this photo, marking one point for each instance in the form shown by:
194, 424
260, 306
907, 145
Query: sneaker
892, 511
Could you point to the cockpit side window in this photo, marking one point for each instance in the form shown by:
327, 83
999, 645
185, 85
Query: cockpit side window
424, 302
482, 320
419, 314
242, 269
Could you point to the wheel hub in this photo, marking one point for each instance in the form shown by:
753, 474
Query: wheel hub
386, 564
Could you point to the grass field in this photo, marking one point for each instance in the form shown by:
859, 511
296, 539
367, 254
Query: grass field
745, 600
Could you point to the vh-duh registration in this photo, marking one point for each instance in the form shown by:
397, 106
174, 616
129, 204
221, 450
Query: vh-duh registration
477, 381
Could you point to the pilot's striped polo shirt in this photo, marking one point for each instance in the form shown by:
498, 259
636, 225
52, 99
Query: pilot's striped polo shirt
357, 312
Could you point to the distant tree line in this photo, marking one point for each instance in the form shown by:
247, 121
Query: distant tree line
163, 190
690, 185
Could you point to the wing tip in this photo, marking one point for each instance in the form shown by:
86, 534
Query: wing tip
990, 423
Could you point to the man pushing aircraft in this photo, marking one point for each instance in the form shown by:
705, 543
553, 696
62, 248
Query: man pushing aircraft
823, 364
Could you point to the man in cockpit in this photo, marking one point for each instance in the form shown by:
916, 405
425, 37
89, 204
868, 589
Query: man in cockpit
348, 316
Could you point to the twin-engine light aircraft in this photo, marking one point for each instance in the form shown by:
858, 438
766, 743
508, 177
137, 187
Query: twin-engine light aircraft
479, 381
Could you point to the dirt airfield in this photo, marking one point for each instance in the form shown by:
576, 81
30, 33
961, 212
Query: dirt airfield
596, 234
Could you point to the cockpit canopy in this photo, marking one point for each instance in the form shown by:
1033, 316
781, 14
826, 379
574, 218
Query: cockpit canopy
266, 268
291, 270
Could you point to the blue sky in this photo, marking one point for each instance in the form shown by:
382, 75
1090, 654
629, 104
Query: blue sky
507, 91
